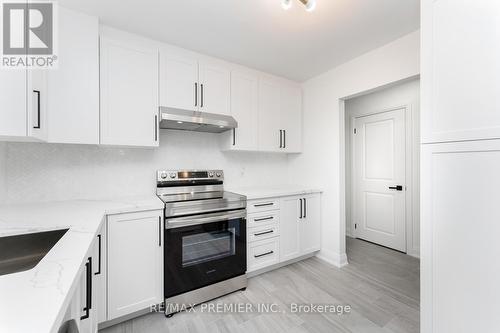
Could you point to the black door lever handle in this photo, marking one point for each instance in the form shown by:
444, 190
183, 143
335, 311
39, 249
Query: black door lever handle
397, 187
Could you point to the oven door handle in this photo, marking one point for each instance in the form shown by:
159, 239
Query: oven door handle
204, 218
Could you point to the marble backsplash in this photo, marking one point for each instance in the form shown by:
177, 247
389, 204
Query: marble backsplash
45, 172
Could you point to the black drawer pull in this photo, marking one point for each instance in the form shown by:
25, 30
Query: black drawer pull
264, 254
88, 295
264, 219
264, 233
264, 205
99, 258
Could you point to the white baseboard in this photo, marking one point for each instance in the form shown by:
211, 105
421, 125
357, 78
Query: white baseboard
335, 259
278, 265
414, 253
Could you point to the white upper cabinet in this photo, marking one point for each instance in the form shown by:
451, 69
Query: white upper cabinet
215, 88
13, 107
23, 114
270, 122
460, 70
244, 108
291, 118
73, 88
192, 82
178, 81
129, 90
280, 116
61, 104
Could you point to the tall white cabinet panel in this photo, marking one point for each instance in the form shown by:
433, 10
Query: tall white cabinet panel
73, 88
215, 88
13, 114
135, 262
460, 70
310, 224
100, 264
129, 92
289, 228
244, 108
179, 86
291, 117
270, 129
460, 237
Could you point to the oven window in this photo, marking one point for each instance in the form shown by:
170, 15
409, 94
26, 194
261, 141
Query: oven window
207, 246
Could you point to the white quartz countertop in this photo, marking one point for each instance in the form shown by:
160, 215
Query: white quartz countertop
262, 192
36, 300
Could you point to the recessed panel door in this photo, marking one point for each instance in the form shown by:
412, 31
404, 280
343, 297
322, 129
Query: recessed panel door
379, 183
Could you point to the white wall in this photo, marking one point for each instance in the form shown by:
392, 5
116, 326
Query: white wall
321, 164
44, 172
406, 93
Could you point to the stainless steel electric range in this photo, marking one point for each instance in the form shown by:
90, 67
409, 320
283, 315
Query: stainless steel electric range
205, 237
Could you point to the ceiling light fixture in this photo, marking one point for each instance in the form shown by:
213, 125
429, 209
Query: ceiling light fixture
286, 4
310, 4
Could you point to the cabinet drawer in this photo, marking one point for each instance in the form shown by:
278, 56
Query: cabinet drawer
264, 218
263, 253
263, 232
255, 206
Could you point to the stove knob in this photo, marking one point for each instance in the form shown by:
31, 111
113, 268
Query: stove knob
163, 175
172, 175
210, 174
219, 174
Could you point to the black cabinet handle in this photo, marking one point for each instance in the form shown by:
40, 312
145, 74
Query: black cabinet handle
156, 127
301, 209
397, 187
37, 92
159, 231
234, 136
263, 254
196, 94
264, 219
201, 95
88, 300
281, 139
264, 233
99, 257
264, 205
284, 138
305, 207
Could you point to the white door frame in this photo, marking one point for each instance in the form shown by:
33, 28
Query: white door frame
409, 138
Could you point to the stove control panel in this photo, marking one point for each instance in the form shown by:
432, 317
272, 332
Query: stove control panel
188, 175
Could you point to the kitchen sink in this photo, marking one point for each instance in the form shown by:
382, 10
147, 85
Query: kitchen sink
23, 252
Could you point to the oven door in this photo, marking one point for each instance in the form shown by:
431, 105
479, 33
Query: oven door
204, 249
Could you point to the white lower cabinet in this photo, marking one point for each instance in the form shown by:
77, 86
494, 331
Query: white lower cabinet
100, 264
83, 310
282, 229
135, 262
263, 253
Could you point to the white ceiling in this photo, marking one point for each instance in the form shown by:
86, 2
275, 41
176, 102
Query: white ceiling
259, 33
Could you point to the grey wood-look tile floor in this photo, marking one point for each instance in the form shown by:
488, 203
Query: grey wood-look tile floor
381, 286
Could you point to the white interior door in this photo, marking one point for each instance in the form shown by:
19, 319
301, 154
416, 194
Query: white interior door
379, 168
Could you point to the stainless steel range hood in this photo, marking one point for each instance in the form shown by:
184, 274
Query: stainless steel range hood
186, 120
